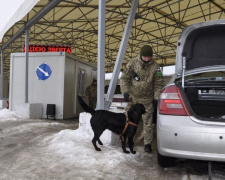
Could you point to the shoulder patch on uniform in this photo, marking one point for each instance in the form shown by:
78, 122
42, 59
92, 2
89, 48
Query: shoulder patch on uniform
159, 73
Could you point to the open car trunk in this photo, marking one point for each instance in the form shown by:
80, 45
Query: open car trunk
206, 97
200, 62
206, 102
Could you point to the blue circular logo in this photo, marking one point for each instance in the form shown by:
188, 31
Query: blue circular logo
43, 72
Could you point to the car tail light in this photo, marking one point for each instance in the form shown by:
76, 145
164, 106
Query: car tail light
118, 100
171, 102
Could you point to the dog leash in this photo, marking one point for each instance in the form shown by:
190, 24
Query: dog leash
125, 128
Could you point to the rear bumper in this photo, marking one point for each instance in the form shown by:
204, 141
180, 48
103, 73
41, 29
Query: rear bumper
180, 137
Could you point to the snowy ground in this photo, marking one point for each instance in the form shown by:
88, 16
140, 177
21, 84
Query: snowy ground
33, 149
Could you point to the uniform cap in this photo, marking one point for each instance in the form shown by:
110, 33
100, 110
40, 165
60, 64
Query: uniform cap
146, 50
94, 80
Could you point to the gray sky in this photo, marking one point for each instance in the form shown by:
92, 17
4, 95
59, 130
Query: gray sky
12, 11
6, 10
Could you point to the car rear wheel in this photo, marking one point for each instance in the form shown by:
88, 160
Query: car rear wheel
165, 161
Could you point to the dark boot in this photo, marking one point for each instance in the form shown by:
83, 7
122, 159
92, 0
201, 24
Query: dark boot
148, 148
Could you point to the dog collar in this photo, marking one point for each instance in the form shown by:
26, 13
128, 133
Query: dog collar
129, 122
125, 128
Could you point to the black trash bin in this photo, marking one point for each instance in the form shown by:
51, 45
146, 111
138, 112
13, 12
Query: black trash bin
50, 110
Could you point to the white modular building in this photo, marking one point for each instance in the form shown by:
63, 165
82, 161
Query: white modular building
54, 78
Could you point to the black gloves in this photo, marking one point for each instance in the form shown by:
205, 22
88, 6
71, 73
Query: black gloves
155, 103
126, 96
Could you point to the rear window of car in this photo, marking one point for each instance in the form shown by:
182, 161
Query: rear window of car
117, 90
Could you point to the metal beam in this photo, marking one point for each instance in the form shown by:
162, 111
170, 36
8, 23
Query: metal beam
26, 64
101, 54
32, 21
121, 54
217, 5
2, 64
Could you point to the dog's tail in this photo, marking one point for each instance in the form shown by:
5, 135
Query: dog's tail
85, 106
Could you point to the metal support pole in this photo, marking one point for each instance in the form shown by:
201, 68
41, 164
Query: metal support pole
183, 69
27, 63
210, 170
101, 54
121, 54
2, 72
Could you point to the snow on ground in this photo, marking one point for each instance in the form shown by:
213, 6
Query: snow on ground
47, 149
5, 115
76, 148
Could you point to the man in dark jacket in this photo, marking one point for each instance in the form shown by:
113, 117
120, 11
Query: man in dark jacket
91, 92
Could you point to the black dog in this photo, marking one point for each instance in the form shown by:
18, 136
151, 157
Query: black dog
119, 123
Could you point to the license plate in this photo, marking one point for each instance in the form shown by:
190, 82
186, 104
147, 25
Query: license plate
115, 104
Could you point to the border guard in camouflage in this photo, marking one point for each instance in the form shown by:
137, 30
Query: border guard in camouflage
91, 92
141, 82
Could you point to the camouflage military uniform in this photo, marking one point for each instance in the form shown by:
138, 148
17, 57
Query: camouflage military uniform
143, 90
91, 92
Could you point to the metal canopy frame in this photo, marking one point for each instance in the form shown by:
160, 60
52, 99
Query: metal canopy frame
121, 54
75, 23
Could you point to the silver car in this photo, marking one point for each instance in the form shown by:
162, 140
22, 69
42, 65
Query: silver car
118, 102
191, 108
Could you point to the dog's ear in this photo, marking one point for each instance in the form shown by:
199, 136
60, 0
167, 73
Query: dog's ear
132, 108
137, 107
